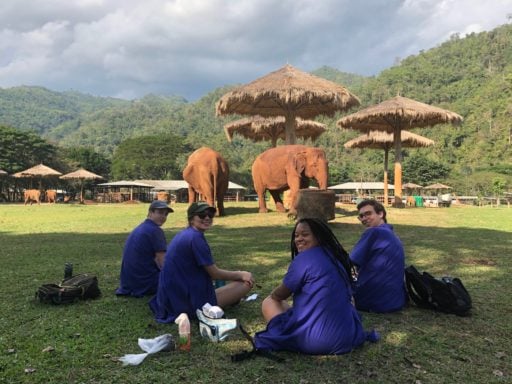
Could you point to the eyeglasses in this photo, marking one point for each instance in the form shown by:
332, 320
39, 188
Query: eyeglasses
202, 215
362, 215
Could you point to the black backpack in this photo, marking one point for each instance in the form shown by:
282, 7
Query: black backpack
446, 294
79, 287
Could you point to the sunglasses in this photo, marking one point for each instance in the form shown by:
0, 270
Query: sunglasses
364, 214
202, 215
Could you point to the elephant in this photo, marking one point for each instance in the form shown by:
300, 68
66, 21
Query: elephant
288, 167
51, 195
31, 195
207, 174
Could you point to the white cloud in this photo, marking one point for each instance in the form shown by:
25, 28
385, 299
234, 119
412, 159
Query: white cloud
129, 48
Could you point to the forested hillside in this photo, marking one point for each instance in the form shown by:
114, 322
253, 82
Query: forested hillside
471, 76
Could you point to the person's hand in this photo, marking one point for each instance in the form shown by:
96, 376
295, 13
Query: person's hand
247, 278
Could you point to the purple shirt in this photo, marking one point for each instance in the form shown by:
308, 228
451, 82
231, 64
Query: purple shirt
379, 256
184, 284
322, 320
139, 271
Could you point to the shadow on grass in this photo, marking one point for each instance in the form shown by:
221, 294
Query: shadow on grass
91, 334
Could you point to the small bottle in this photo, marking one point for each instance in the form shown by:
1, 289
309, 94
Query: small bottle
184, 332
68, 270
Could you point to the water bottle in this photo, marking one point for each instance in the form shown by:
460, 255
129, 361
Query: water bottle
184, 332
68, 270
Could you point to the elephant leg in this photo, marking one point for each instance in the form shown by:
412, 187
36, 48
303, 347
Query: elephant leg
278, 201
220, 205
191, 195
261, 201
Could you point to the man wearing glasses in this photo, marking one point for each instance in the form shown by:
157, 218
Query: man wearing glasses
186, 281
380, 261
143, 254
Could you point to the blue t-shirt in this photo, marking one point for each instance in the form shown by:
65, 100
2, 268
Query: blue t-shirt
139, 271
379, 256
184, 284
322, 320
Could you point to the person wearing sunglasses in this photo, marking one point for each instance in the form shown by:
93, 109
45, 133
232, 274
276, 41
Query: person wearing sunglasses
379, 258
143, 254
186, 281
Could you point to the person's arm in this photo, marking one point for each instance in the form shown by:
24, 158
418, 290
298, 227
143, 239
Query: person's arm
280, 293
159, 259
223, 274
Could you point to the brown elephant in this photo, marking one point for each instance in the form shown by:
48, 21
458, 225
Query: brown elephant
51, 195
31, 195
288, 167
207, 174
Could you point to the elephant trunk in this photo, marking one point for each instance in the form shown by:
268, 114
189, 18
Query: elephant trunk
322, 176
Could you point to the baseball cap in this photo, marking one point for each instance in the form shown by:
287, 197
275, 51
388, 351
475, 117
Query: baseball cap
159, 204
199, 207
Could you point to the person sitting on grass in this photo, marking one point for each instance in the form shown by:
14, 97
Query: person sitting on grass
322, 320
380, 261
186, 281
143, 254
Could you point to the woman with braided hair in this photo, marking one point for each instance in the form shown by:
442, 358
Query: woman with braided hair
322, 319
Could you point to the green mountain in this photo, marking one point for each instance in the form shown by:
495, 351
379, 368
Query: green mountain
471, 76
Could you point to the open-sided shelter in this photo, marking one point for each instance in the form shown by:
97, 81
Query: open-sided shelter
81, 175
38, 172
384, 140
393, 116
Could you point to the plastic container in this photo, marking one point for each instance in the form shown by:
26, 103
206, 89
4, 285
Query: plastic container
184, 332
212, 311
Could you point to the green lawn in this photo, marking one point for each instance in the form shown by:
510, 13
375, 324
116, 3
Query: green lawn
417, 346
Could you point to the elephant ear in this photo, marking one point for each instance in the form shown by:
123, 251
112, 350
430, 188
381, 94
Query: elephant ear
298, 161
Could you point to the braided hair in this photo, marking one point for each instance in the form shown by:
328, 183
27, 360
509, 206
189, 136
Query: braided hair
327, 240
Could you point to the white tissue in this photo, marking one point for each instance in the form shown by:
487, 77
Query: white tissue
254, 296
150, 346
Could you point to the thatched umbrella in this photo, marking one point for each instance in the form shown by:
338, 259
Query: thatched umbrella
290, 93
412, 186
384, 140
437, 186
392, 116
259, 128
81, 175
38, 171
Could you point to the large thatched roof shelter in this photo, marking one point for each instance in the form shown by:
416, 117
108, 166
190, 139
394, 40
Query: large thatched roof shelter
393, 116
38, 171
384, 140
287, 92
259, 128
81, 175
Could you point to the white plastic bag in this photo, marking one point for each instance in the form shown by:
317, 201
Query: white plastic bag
150, 346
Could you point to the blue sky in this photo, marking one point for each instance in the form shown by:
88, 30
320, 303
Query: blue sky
129, 48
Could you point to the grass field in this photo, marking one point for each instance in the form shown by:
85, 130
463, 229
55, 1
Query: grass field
86, 338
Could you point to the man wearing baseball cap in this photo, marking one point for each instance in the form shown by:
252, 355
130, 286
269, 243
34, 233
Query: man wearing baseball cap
186, 281
143, 254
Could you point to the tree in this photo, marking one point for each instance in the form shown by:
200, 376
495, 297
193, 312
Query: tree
20, 150
88, 158
148, 157
498, 186
421, 170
